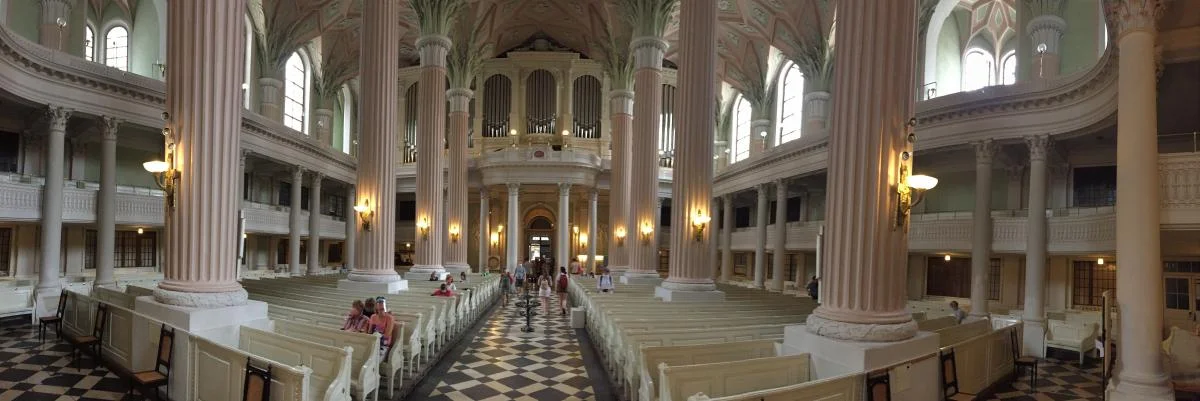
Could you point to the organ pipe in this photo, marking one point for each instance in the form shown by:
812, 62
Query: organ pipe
540, 102
588, 96
497, 104
409, 147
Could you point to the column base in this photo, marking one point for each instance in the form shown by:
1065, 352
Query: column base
860, 332
201, 299
680, 295
373, 276
832, 357
382, 287
456, 268
631, 277
1033, 338
617, 269
422, 272
1151, 388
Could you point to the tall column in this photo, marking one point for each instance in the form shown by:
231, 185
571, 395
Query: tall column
106, 204
431, 123
760, 240
866, 291
714, 244
294, 222
643, 190
562, 240
1035, 246
727, 240
485, 230
618, 185
1140, 374
351, 230
593, 205
205, 43
52, 200
512, 236
376, 179
50, 34
779, 246
690, 270
456, 202
1045, 31
314, 224
981, 238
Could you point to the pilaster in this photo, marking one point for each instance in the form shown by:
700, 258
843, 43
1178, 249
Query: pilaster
294, 221
760, 241
621, 105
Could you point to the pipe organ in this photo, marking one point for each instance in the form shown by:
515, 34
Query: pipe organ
586, 103
408, 149
497, 104
666, 139
541, 102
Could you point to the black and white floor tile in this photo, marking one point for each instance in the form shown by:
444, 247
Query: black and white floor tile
1059, 378
504, 363
30, 370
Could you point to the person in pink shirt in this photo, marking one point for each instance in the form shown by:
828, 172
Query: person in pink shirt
382, 322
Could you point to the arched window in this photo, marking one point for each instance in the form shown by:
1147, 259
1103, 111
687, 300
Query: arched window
295, 93
978, 70
347, 119
116, 48
791, 103
741, 129
89, 43
248, 58
1008, 68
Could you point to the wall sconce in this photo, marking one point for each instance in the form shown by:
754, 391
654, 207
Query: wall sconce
575, 229
946, 258
620, 233
647, 232
500, 228
423, 226
583, 239
512, 132
364, 214
140, 231
910, 191
495, 238
1100, 261
699, 222
566, 133
453, 232
165, 175
407, 245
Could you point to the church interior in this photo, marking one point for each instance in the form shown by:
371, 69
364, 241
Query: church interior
635, 200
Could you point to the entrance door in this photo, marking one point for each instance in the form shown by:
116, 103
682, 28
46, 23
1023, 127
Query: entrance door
1182, 300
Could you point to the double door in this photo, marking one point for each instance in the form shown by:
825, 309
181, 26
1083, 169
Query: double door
1182, 300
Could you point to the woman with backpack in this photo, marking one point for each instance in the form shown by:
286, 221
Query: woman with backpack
563, 281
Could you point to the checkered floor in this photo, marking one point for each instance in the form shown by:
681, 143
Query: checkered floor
33, 371
503, 363
1060, 378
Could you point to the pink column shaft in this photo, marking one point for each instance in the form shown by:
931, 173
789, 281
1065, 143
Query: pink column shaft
456, 204
643, 188
618, 196
431, 124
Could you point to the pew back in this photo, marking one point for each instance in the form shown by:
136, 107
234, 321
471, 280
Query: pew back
330, 377
220, 374
734, 377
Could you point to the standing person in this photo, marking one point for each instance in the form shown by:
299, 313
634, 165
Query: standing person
605, 282
506, 287
563, 281
544, 293
812, 288
576, 267
519, 275
959, 315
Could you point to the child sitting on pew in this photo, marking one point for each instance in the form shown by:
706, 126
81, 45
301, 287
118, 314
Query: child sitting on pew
355, 320
368, 308
443, 292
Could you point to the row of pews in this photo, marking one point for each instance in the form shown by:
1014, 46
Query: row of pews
310, 358
732, 349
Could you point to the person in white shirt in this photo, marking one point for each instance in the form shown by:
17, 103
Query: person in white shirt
605, 282
959, 314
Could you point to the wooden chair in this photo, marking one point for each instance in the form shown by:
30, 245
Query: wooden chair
879, 387
257, 386
55, 320
1028, 362
94, 340
161, 373
949, 373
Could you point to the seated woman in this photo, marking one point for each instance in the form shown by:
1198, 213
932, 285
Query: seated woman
381, 322
355, 320
450, 284
443, 292
369, 307
462, 277
433, 276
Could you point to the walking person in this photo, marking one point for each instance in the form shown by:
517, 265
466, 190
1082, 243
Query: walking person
564, 280
544, 293
812, 288
519, 275
605, 282
506, 288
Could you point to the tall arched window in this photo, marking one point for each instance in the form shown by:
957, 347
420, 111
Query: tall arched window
89, 43
1008, 68
295, 93
247, 59
741, 129
791, 103
116, 48
978, 70
347, 119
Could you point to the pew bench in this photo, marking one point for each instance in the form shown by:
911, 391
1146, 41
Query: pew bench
720, 379
1078, 337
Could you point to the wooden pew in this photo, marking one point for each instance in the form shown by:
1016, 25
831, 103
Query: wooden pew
364, 359
695, 355
719, 379
331, 370
842, 388
220, 372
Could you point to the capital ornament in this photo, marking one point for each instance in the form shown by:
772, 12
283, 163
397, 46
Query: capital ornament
1134, 15
58, 117
109, 127
1039, 146
985, 151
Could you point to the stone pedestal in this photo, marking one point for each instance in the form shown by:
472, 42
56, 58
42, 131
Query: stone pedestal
915, 381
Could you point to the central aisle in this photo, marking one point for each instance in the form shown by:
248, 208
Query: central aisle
502, 363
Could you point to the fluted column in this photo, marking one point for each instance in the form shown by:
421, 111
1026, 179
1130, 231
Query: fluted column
621, 104
294, 222
485, 230
49, 32
431, 123
727, 241
1140, 374
562, 240
760, 240
779, 245
643, 189
512, 236
106, 204
351, 243
1035, 246
981, 238
376, 178
714, 245
865, 294
593, 206
1045, 32
456, 202
205, 46
815, 113
314, 224
52, 200
270, 97
690, 270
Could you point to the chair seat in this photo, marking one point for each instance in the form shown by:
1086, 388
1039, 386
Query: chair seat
50, 319
148, 377
84, 339
1026, 360
1073, 344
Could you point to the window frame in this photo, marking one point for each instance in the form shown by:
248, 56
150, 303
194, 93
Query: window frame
791, 104
306, 88
89, 42
104, 55
741, 129
347, 118
991, 69
1004, 71
1088, 282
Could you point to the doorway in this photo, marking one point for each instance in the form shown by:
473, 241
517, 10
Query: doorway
1182, 300
538, 236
